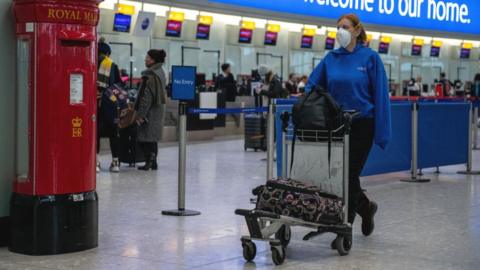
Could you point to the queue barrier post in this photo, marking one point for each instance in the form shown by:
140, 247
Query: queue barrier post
475, 128
471, 138
182, 162
270, 140
415, 178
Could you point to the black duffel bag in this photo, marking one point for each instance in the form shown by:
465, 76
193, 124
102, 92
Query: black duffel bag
314, 113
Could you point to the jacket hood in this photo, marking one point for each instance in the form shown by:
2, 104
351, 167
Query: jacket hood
345, 51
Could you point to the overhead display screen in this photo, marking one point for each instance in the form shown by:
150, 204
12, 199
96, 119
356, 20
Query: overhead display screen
458, 16
464, 53
383, 47
174, 28
435, 51
203, 31
307, 42
122, 22
245, 36
416, 50
329, 43
271, 38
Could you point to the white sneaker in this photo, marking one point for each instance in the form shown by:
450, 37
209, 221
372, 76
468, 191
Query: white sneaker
115, 166
98, 167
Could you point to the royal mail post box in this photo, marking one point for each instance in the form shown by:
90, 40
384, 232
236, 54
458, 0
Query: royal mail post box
54, 206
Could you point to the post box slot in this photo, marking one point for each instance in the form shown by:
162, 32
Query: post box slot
75, 43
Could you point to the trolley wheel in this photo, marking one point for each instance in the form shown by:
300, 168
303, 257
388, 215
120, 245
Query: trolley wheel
284, 234
344, 244
278, 254
249, 250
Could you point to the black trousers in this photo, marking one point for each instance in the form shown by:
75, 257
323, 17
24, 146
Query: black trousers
361, 141
114, 143
150, 150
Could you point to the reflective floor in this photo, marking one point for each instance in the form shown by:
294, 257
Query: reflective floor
419, 226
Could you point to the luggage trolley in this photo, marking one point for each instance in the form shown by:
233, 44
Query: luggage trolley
333, 147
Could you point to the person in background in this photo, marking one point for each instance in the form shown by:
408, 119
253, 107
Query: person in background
226, 82
415, 87
272, 86
419, 85
458, 88
291, 84
438, 88
228, 86
475, 92
243, 89
150, 106
446, 84
302, 83
355, 77
124, 76
108, 75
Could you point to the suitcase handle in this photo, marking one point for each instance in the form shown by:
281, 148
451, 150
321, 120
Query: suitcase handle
256, 214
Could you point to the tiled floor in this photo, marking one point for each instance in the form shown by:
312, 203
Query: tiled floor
419, 226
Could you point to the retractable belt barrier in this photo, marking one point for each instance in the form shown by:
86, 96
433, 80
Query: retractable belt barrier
417, 129
228, 111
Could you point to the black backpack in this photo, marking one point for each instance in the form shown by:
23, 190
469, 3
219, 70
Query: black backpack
315, 117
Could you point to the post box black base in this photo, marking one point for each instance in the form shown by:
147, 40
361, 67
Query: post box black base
4, 231
48, 225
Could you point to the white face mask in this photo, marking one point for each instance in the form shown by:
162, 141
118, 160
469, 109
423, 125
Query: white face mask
344, 37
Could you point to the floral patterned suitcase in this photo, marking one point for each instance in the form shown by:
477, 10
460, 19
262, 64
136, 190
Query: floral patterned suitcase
295, 199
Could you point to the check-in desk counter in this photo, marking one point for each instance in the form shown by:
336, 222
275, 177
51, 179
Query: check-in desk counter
201, 126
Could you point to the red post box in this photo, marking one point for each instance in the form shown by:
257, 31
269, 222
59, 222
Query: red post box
54, 205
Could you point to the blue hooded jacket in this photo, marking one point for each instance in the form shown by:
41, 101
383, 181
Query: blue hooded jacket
357, 81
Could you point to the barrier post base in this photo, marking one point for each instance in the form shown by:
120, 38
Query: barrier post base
180, 213
415, 180
469, 172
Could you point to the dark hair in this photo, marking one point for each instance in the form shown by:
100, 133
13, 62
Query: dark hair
353, 18
477, 77
104, 48
443, 75
157, 55
291, 75
225, 67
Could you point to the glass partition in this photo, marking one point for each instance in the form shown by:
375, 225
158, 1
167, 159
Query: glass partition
242, 59
304, 62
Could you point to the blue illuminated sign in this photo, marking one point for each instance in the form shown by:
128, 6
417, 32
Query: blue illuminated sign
458, 16
183, 82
